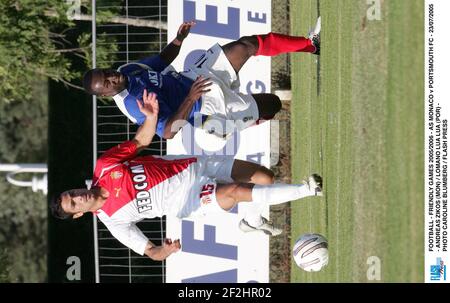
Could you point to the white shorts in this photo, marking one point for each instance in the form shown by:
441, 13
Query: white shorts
202, 196
223, 102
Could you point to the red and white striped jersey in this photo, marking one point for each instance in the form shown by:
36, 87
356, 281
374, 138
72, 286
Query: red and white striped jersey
141, 187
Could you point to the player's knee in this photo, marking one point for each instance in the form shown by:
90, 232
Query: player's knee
269, 176
250, 43
269, 105
232, 192
276, 102
264, 176
274, 105
241, 191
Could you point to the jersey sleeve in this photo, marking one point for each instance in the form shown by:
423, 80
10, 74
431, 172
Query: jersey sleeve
128, 234
164, 114
118, 154
161, 125
133, 110
156, 63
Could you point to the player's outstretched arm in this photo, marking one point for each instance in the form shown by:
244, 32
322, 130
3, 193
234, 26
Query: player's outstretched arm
171, 51
178, 120
160, 253
150, 108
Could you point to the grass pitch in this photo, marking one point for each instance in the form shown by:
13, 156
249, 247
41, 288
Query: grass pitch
357, 119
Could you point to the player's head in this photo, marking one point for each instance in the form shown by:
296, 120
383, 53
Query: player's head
104, 82
73, 203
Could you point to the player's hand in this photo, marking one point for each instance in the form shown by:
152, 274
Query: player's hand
170, 246
149, 107
183, 30
198, 88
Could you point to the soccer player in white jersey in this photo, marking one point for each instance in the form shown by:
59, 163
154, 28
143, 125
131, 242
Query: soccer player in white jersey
222, 109
127, 188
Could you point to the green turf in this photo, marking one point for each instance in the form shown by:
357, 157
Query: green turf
357, 119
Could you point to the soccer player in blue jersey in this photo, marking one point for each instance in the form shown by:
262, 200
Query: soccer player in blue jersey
206, 95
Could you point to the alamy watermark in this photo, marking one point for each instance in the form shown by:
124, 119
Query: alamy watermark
374, 10
74, 9
222, 137
374, 268
73, 272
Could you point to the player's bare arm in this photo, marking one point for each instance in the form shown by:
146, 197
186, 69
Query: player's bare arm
171, 51
150, 108
159, 253
179, 119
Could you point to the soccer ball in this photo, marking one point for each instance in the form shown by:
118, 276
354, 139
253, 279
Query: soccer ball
310, 252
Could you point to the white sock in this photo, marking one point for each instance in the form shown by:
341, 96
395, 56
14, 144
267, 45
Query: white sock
253, 214
253, 218
271, 195
274, 194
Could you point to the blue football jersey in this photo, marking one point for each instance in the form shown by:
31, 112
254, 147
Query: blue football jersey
171, 90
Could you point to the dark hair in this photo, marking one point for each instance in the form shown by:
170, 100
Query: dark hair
87, 81
57, 210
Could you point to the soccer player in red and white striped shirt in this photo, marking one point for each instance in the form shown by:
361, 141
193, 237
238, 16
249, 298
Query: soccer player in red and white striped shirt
128, 188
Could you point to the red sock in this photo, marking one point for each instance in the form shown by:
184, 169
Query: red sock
273, 44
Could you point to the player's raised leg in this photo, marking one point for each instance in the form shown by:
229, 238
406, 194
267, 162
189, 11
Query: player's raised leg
271, 44
249, 172
228, 195
268, 105
254, 221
